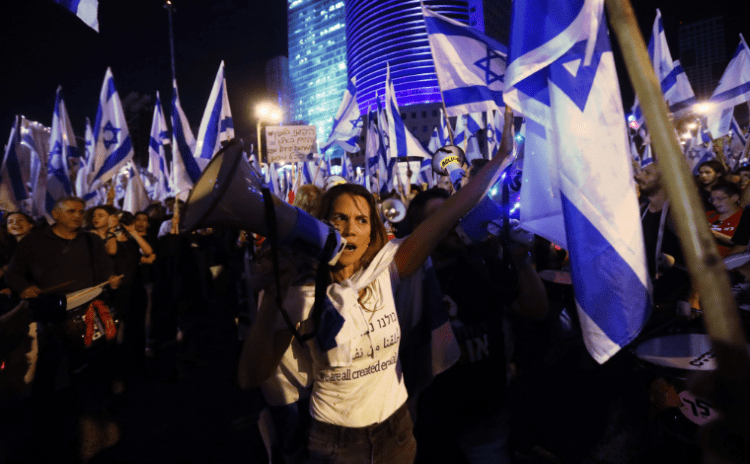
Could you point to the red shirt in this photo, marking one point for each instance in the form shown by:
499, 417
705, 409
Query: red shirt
726, 227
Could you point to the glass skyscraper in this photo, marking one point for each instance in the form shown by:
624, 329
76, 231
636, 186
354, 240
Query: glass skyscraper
317, 61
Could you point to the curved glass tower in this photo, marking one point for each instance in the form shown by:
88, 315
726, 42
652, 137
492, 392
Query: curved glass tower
393, 31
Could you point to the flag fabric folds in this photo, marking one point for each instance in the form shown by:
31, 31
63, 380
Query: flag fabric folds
733, 89
157, 161
62, 143
35, 148
561, 75
185, 170
347, 125
113, 147
82, 178
216, 125
86, 10
470, 66
136, 199
403, 142
674, 82
13, 189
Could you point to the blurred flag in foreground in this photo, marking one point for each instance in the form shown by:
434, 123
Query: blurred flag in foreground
87, 10
561, 75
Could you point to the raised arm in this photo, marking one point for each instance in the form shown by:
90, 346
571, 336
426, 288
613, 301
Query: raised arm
418, 246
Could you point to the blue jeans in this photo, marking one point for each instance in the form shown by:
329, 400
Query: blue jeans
389, 442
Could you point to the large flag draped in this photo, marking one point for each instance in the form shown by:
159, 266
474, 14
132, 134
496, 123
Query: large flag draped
562, 75
12, 187
87, 10
347, 125
470, 66
185, 170
216, 125
113, 147
733, 89
62, 143
157, 161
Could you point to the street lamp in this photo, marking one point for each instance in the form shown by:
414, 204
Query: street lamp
266, 112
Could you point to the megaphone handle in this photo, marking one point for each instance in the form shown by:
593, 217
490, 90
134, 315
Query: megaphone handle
273, 238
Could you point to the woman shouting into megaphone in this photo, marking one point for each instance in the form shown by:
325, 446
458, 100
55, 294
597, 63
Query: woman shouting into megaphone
358, 399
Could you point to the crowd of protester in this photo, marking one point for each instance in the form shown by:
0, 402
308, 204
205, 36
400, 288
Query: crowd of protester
515, 332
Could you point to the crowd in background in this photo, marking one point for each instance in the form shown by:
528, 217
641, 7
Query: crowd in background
165, 277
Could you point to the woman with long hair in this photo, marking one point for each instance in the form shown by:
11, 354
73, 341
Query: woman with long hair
358, 399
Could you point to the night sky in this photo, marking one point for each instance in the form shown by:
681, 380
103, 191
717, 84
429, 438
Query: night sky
45, 46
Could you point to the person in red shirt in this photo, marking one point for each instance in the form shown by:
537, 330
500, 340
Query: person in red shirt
725, 198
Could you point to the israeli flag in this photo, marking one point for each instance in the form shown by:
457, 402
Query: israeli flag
136, 198
347, 125
494, 133
374, 161
445, 137
565, 64
113, 147
185, 170
13, 189
82, 178
459, 133
86, 10
62, 142
216, 125
733, 89
157, 161
470, 66
403, 141
34, 152
474, 124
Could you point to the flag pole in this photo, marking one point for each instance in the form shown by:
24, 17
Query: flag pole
440, 87
707, 270
170, 8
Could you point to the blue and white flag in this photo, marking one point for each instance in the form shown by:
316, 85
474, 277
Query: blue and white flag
374, 161
403, 142
434, 142
494, 133
86, 10
185, 170
35, 139
674, 82
470, 66
157, 161
62, 143
347, 125
113, 147
733, 89
136, 198
565, 64
13, 189
82, 178
216, 125
444, 133
459, 133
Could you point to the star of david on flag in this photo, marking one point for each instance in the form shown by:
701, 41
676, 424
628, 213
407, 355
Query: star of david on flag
470, 66
347, 125
561, 76
157, 161
113, 147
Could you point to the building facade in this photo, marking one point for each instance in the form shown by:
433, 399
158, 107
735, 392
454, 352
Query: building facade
317, 61
703, 54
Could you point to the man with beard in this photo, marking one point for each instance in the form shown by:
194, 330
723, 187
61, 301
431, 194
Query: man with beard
666, 265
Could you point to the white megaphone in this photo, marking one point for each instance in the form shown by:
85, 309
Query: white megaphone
393, 210
229, 194
334, 180
448, 161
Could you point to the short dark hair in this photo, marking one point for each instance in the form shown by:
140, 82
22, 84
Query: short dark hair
715, 165
727, 187
63, 200
417, 204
